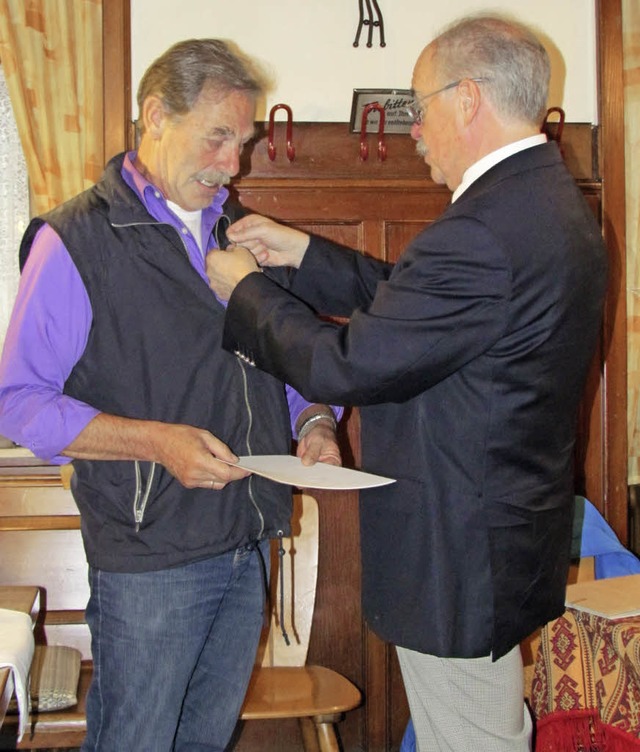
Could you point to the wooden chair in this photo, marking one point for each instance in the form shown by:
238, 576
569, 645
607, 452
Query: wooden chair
282, 686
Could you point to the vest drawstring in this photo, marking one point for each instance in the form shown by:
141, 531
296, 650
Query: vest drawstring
281, 553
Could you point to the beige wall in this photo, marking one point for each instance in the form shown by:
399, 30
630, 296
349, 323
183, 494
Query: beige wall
308, 45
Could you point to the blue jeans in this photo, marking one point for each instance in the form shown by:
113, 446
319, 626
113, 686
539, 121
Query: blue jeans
173, 652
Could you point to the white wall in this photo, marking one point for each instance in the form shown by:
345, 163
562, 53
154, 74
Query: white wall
308, 45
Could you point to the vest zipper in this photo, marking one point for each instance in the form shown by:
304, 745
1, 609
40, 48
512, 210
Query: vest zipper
247, 402
139, 505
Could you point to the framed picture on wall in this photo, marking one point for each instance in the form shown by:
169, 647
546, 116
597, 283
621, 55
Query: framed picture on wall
394, 103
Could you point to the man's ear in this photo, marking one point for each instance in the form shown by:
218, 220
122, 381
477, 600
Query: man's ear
154, 116
469, 97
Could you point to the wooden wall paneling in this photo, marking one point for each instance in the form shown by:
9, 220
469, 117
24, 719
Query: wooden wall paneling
398, 706
116, 76
398, 235
336, 637
614, 505
590, 471
374, 238
377, 683
591, 448
331, 201
334, 151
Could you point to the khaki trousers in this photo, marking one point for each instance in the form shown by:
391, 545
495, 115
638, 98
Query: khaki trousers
466, 704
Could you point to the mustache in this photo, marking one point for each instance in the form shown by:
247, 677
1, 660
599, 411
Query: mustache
421, 148
214, 178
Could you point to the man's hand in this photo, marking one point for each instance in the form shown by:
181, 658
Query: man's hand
316, 429
319, 445
191, 456
195, 457
271, 243
226, 268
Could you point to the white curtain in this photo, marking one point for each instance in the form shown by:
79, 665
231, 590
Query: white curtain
14, 205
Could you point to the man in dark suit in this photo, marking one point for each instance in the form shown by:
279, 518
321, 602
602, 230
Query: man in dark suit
468, 358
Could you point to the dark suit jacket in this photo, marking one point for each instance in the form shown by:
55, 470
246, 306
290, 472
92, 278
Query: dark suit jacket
468, 358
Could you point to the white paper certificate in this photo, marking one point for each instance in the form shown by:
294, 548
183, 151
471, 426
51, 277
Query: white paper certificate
285, 468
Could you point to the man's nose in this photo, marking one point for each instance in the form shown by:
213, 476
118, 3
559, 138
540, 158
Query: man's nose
229, 161
415, 131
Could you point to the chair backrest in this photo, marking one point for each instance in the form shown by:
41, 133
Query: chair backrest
41, 544
293, 589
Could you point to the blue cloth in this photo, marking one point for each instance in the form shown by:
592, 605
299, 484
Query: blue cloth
176, 648
593, 537
409, 739
611, 558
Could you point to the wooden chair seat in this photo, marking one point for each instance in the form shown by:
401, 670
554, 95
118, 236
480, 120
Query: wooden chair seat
298, 692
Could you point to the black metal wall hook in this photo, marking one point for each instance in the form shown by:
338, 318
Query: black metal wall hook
372, 5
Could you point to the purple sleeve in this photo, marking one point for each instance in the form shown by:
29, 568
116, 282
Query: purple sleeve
297, 404
47, 335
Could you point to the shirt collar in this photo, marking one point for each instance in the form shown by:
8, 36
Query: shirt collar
490, 160
152, 197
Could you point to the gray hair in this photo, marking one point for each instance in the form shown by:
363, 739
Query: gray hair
505, 53
180, 74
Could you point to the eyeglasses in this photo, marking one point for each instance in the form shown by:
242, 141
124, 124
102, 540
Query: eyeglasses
416, 111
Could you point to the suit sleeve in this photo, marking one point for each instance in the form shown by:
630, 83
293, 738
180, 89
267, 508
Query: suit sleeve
336, 280
443, 304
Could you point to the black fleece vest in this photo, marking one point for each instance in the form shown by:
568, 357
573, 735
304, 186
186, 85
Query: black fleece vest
154, 353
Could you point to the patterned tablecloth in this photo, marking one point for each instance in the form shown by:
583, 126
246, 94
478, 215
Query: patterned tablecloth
585, 693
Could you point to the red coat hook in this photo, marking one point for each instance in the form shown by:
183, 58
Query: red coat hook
291, 152
364, 148
557, 137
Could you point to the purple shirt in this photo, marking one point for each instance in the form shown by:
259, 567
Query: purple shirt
50, 325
